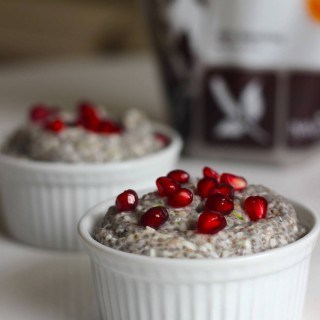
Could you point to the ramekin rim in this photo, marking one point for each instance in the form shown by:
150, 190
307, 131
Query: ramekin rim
94, 213
175, 144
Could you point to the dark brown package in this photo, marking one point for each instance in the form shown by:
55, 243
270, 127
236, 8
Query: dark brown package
242, 77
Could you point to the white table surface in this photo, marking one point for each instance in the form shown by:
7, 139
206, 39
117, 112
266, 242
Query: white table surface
38, 284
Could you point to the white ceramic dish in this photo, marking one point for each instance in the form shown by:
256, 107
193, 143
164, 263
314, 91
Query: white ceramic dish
42, 202
264, 286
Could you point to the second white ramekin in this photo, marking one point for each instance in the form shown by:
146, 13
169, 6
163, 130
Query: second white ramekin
43, 202
264, 286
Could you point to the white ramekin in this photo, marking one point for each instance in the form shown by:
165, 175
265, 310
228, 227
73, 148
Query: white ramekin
265, 286
43, 202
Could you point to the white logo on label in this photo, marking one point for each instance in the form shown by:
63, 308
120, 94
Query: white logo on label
301, 129
241, 117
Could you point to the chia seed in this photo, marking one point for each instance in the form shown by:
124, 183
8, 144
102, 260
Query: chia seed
181, 240
78, 145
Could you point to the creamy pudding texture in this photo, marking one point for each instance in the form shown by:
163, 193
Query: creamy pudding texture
178, 237
76, 144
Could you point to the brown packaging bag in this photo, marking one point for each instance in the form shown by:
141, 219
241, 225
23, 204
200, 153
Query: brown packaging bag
242, 76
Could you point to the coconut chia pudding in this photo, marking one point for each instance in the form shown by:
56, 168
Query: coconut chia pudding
89, 135
216, 216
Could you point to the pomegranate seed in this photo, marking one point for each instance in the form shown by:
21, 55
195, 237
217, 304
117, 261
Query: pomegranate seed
127, 200
210, 173
238, 183
87, 109
56, 125
109, 127
181, 198
88, 116
39, 113
154, 217
219, 202
91, 124
256, 207
179, 176
166, 186
211, 222
224, 189
205, 185
163, 139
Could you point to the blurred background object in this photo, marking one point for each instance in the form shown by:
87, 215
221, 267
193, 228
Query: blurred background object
32, 29
241, 81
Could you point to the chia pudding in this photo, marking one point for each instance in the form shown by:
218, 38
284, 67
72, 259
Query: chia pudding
216, 216
88, 135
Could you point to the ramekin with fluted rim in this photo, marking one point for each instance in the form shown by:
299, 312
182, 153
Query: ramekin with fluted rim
43, 202
264, 286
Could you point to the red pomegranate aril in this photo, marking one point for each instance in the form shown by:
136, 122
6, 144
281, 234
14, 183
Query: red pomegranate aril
109, 127
220, 203
181, 198
179, 176
163, 139
87, 109
91, 123
210, 173
39, 112
166, 186
256, 207
224, 189
55, 126
88, 116
127, 200
205, 185
211, 222
154, 217
237, 182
